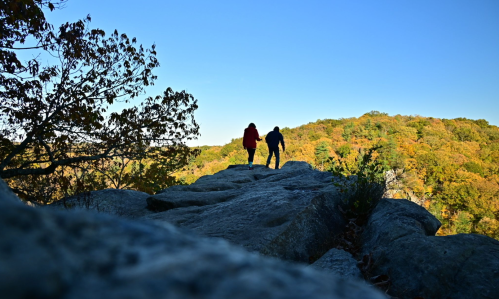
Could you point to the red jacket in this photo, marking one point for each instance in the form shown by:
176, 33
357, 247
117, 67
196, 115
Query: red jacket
250, 137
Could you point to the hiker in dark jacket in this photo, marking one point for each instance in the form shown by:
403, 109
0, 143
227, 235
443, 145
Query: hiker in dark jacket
249, 142
273, 138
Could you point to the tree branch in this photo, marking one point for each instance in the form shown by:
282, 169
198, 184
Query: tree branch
5, 174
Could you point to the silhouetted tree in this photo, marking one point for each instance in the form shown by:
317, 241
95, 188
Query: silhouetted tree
57, 115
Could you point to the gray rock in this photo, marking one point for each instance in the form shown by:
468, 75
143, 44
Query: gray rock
400, 237
82, 255
120, 202
338, 262
393, 219
311, 233
288, 213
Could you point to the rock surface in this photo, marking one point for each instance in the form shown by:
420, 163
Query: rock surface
125, 203
82, 255
290, 213
338, 262
400, 237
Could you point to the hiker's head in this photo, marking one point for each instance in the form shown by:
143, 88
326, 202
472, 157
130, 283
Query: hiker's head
276, 129
252, 125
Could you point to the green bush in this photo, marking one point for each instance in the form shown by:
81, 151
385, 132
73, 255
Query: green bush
366, 186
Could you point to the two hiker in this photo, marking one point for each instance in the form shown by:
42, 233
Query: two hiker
273, 139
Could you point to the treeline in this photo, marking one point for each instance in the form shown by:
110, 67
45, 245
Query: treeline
149, 172
450, 166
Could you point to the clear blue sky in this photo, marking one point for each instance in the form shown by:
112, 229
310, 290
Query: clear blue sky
288, 63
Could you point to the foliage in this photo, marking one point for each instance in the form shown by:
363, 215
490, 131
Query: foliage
347, 131
463, 223
18, 21
375, 113
321, 154
489, 227
344, 150
56, 120
473, 167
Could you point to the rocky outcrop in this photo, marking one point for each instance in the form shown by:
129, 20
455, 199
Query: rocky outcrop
290, 213
82, 255
120, 202
400, 239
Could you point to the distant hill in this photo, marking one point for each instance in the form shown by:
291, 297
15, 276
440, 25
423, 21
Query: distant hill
451, 166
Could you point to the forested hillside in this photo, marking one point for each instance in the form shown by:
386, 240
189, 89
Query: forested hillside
451, 166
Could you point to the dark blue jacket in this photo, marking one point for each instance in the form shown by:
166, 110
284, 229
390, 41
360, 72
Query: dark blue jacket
273, 138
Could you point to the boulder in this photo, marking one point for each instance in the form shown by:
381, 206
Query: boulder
400, 239
120, 202
290, 213
83, 255
339, 262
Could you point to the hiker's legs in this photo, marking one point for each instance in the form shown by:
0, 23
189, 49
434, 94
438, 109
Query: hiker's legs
251, 155
270, 156
276, 153
273, 151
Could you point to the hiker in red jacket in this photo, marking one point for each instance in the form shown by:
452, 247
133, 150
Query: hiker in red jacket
249, 142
